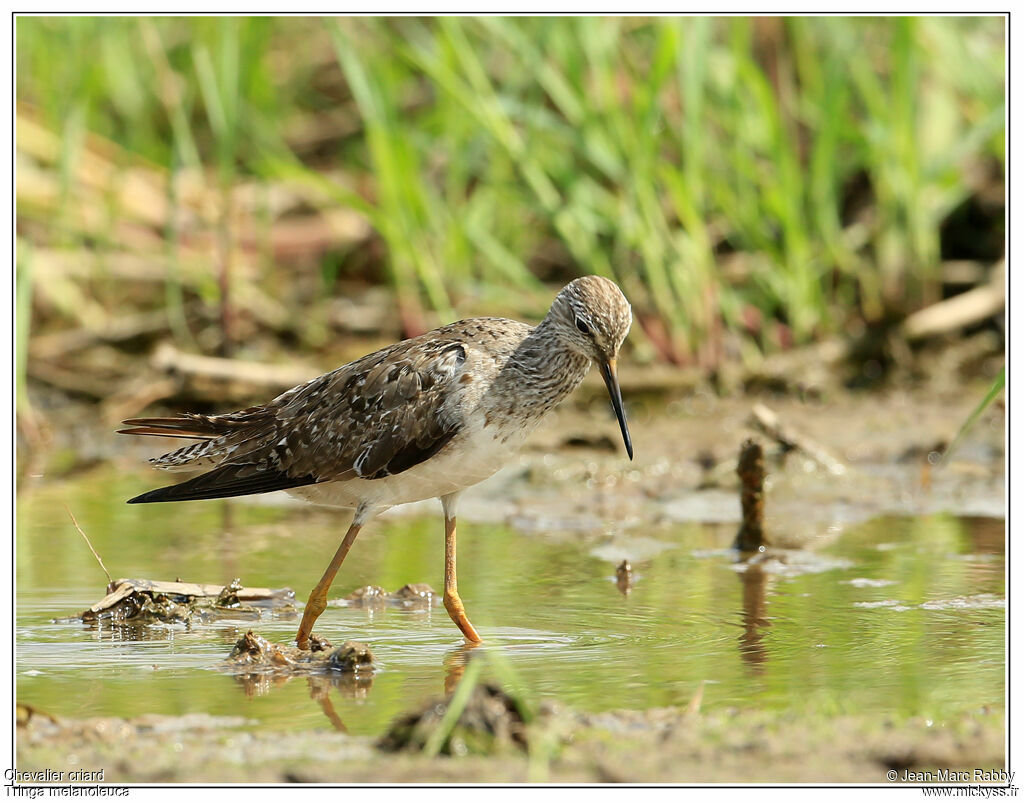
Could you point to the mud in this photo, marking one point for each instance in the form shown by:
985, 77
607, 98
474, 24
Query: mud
657, 745
488, 721
253, 652
417, 596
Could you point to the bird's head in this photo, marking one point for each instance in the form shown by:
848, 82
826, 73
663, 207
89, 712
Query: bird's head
592, 317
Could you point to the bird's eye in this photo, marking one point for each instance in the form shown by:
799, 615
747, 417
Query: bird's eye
582, 326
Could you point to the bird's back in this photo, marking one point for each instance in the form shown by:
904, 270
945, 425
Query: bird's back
372, 418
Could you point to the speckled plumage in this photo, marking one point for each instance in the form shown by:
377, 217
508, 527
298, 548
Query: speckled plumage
424, 418
482, 383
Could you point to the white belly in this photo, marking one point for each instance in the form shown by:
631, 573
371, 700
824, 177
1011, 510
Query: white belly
466, 461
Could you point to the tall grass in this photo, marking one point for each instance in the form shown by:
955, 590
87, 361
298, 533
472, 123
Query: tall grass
710, 165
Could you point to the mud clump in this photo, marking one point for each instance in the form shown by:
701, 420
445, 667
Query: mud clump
367, 596
228, 597
255, 654
490, 722
351, 657
624, 577
415, 597
254, 649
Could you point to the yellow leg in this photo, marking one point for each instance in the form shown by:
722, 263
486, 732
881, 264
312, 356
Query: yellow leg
452, 602
318, 596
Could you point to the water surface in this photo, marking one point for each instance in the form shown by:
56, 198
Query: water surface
899, 616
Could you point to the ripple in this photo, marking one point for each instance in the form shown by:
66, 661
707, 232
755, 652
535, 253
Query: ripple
864, 582
981, 601
888, 604
792, 563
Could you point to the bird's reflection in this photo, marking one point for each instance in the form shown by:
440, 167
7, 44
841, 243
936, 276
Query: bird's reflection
455, 663
348, 686
260, 684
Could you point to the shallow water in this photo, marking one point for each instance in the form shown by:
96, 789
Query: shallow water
899, 616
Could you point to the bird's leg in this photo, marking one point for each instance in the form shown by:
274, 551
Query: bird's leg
318, 596
452, 602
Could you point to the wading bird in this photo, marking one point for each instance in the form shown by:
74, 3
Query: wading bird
424, 418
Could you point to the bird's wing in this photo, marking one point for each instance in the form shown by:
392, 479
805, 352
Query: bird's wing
375, 417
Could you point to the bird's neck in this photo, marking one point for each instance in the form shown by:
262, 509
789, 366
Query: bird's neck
542, 370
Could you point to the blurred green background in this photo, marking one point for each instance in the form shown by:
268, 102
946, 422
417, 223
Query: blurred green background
753, 184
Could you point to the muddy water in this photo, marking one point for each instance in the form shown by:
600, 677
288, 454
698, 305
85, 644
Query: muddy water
899, 615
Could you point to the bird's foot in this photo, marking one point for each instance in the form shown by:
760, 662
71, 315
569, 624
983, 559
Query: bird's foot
457, 612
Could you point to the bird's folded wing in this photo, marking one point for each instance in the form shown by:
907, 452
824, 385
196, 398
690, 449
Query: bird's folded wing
373, 418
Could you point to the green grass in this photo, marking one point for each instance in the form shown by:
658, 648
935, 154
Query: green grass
993, 392
704, 163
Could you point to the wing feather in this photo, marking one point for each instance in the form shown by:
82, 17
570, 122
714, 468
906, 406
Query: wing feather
375, 417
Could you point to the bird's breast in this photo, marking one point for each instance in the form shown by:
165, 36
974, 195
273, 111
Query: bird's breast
472, 456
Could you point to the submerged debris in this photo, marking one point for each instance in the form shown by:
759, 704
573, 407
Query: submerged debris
491, 721
145, 601
368, 596
751, 472
624, 577
415, 596
254, 653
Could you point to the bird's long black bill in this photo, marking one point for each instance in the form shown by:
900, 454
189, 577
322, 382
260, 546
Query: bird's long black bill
611, 381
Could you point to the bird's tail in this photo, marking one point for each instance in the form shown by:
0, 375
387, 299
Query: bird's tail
194, 427
224, 451
218, 435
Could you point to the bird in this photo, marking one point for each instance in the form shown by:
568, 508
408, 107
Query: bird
424, 418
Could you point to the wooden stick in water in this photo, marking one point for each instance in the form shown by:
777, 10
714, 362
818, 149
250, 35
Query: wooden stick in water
751, 473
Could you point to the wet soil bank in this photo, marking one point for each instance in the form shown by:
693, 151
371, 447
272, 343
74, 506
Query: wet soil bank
660, 745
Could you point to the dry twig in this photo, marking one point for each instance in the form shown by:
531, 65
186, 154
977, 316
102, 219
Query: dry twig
110, 582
